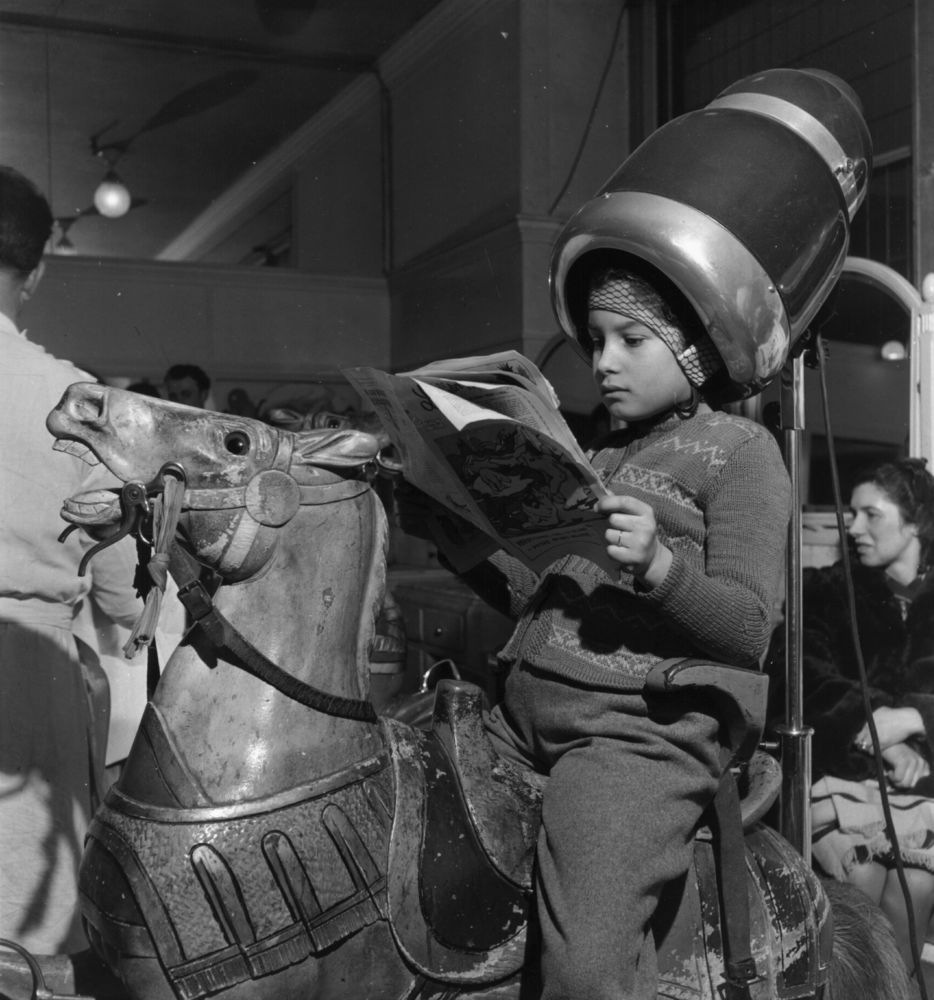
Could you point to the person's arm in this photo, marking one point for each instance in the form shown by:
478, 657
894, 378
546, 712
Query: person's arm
112, 572
893, 725
726, 607
833, 703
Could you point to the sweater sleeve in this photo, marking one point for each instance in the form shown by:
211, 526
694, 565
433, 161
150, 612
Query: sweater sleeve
503, 582
728, 607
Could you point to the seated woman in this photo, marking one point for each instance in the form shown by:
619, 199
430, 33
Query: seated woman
892, 536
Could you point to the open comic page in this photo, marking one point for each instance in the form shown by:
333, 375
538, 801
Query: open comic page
484, 438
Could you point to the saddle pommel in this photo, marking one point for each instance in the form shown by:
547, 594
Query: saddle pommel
737, 697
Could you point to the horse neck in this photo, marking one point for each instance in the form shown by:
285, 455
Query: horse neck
311, 612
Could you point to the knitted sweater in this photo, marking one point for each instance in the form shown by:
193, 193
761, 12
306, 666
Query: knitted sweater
721, 498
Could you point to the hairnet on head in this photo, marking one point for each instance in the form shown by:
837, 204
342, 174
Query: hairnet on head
635, 297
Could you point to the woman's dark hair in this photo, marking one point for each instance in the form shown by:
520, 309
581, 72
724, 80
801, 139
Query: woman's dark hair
908, 484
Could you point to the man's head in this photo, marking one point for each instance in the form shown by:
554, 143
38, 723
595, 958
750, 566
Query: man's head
25, 222
25, 227
187, 384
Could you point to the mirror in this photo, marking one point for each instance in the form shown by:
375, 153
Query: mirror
866, 328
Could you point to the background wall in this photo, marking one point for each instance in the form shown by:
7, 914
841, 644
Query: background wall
254, 328
424, 201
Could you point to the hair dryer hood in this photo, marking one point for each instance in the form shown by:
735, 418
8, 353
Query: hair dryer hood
745, 205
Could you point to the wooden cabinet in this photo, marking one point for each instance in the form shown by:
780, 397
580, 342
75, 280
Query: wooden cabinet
444, 619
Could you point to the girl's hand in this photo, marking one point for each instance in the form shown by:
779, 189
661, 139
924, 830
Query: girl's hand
894, 725
906, 766
632, 538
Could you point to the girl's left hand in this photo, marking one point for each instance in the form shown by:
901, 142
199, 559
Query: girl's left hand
893, 725
632, 538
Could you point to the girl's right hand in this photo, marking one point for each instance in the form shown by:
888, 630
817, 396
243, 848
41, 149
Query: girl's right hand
905, 765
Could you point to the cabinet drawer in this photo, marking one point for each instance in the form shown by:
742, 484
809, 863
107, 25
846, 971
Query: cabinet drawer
441, 629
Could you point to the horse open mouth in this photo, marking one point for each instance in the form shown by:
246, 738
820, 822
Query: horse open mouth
95, 507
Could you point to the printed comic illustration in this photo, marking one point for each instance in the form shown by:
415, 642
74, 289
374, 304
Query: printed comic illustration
484, 438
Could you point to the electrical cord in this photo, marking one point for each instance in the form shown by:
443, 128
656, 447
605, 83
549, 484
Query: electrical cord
863, 677
593, 109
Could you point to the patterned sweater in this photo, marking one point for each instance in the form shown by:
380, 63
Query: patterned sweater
722, 500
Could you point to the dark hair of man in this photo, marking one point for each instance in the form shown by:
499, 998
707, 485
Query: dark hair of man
177, 372
25, 222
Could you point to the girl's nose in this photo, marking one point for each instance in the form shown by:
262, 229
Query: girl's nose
605, 361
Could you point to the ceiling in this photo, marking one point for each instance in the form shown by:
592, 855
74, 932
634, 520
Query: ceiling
181, 97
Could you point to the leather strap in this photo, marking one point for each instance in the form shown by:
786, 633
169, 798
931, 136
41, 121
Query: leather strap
730, 852
222, 635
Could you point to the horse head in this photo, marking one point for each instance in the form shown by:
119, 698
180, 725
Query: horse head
243, 479
278, 546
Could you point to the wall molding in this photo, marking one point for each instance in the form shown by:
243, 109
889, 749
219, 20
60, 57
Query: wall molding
230, 209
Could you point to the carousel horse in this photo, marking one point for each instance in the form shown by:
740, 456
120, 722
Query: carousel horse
270, 836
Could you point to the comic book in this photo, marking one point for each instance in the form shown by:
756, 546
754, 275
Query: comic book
483, 436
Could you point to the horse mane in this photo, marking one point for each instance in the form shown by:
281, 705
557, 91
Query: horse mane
866, 961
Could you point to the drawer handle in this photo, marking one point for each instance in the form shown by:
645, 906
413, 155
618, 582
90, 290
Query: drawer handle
439, 630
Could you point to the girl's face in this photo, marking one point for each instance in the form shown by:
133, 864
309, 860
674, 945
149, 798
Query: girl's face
635, 370
882, 536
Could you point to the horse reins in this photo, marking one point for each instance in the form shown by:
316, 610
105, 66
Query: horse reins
170, 498
223, 635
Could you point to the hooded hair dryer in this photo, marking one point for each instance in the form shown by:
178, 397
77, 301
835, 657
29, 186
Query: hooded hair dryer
745, 204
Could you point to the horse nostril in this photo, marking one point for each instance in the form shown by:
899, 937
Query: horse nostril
88, 404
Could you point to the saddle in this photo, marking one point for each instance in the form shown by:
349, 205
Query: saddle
466, 822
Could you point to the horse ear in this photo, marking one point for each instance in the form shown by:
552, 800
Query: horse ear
285, 416
341, 448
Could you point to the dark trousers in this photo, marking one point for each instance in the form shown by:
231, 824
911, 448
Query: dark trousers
628, 781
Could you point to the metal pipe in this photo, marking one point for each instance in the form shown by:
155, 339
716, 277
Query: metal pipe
794, 736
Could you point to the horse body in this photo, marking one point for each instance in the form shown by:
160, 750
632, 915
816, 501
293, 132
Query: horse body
268, 840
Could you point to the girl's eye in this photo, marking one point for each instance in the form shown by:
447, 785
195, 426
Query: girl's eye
237, 443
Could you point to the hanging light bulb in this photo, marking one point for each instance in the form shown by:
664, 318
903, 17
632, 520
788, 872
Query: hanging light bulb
112, 197
893, 350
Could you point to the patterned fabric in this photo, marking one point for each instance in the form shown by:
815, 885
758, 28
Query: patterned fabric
849, 826
721, 499
637, 299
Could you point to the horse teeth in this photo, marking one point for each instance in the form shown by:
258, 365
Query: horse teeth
94, 507
77, 449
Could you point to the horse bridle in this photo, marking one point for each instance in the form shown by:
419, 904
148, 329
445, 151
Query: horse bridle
136, 502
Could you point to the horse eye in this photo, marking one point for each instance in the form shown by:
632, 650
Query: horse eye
237, 443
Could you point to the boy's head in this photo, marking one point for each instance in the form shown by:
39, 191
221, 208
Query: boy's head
25, 223
187, 384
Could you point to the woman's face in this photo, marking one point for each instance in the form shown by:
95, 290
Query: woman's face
635, 370
882, 536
